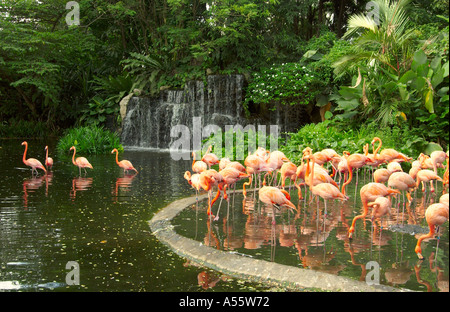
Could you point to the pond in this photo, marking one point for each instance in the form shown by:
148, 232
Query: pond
100, 221
310, 239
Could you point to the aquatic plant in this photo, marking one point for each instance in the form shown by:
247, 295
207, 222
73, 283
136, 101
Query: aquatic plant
89, 140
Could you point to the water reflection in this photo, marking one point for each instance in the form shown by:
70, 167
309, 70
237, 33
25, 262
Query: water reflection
311, 239
80, 184
32, 184
123, 184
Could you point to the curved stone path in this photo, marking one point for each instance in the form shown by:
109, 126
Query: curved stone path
253, 270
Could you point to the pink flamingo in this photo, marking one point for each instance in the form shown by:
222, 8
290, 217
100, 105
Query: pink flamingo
124, 164
436, 215
31, 162
369, 193
48, 160
209, 158
288, 170
437, 159
388, 154
198, 166
354, 161
271, 195
80, 162
380, 207
326, 191
381, 175
427, 175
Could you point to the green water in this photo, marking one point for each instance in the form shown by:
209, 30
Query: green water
304, 239
98, 220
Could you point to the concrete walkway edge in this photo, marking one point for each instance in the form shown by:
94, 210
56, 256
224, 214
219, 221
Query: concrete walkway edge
246, 268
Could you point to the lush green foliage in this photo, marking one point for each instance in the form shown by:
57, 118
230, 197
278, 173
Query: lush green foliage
89, 140
329, 134
18, 128
235, 144
401, 78
57, 75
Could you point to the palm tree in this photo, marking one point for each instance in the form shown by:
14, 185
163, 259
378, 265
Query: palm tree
382, 40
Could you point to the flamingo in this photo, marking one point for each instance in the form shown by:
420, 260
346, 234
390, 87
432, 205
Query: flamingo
326, 191
32, 162
198, 166
437, 159
435, 215
80, 162
444, 199
426, 175
209, 158
415, 168
271, 195
275, 161
354, 161
124, 164
288, 170
388, 154
223, 163
229, 177
381, 175
369, 193
255, 165
48, 160
373, 163
380, 207
403, 182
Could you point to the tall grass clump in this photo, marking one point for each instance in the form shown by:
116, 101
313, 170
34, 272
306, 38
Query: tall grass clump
89, 140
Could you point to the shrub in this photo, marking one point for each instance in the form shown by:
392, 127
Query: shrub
17, 128
89, 140
329, 134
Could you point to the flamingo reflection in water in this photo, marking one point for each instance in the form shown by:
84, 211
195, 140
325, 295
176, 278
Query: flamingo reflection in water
31, 185
80, 184
123, 183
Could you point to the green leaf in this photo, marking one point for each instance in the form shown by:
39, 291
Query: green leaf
429, 101
431, 147
445, 67
419, 58
407, 77
328, 115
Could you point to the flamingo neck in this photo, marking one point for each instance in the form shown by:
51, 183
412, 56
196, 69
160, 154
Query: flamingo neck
117, 157
46, 155
249, 182
310, 171
378, 148
421, 238
25, 153
73, 156
193, 161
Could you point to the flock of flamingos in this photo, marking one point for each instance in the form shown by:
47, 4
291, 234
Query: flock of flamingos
311, 173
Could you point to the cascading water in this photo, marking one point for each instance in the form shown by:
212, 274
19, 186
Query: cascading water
148, 121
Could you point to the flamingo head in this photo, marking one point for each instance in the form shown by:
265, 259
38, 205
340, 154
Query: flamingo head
46, 147
24, 143
375, 139
72, 148
114, 151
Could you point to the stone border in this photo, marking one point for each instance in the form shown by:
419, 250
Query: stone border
254, 270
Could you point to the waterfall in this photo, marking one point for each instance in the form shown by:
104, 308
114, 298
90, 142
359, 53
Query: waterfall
148, 121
